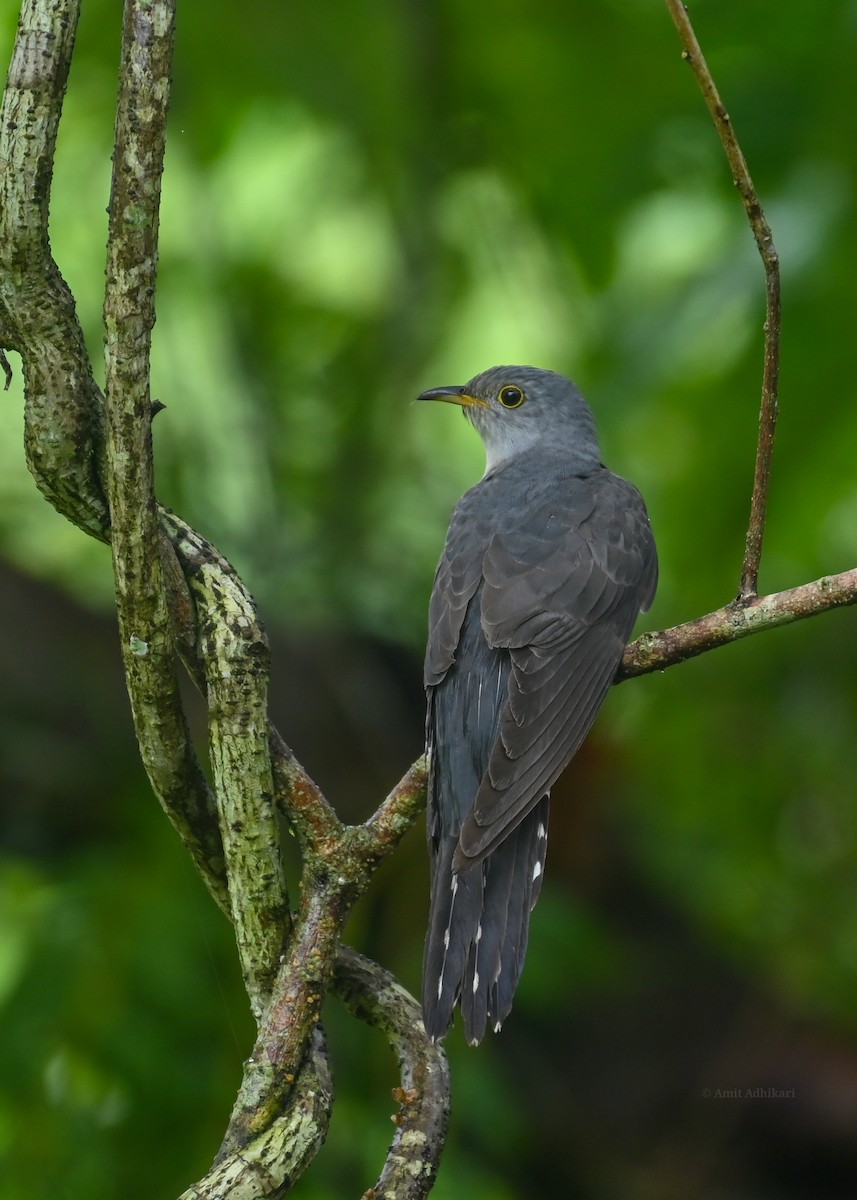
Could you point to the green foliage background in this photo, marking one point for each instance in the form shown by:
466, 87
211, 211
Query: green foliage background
363, 200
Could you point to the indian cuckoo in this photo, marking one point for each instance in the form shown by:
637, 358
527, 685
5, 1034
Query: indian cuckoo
548, 561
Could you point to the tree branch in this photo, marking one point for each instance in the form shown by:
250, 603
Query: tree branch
273, 1161
63, 416
375, 996
129, 315
293, 1011
740, 618
300, 799
214, 620
770, 260
64, 408
389, 824
232, 661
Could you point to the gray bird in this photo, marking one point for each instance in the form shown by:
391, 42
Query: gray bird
548, 561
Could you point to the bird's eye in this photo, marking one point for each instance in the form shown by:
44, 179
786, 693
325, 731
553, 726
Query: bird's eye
511, 396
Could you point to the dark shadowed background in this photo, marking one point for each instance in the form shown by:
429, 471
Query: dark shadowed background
363, 200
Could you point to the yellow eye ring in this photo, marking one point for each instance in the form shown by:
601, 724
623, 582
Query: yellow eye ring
511, 396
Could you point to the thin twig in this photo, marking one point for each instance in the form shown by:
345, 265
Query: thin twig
770, 260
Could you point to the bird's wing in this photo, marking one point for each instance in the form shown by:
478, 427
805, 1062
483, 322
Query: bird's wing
456, 580
563, 587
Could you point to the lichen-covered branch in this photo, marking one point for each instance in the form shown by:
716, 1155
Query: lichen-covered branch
375, 996
739, 619
64, 411
210, 615
63, 414
771, 263
293, 1011
268, 1165
129, 315
389, 824
274, 1070
233, 661
300, 799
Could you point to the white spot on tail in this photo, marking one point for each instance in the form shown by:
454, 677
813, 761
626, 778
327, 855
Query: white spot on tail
541, 831
537, 870
453, 887
498, 1025
479, 933
475, 982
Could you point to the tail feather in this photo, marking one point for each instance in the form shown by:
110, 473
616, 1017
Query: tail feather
522, 901
478, 927
454, 916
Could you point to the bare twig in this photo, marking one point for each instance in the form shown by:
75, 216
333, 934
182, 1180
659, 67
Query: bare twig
765, 242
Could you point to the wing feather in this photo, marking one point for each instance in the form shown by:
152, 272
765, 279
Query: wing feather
563, 603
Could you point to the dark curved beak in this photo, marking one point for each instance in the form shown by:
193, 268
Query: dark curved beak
453, 395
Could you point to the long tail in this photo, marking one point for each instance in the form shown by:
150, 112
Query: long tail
478, 926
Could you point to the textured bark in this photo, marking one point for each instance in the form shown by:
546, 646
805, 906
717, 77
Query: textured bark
740, 618
232, 666
373, 995
63, 414
277, 1158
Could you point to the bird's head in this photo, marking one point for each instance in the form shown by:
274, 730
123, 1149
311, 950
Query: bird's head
515, 409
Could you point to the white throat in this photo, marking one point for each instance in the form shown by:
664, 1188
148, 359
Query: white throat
504, 442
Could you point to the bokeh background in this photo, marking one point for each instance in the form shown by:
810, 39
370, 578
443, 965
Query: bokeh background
363, 200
